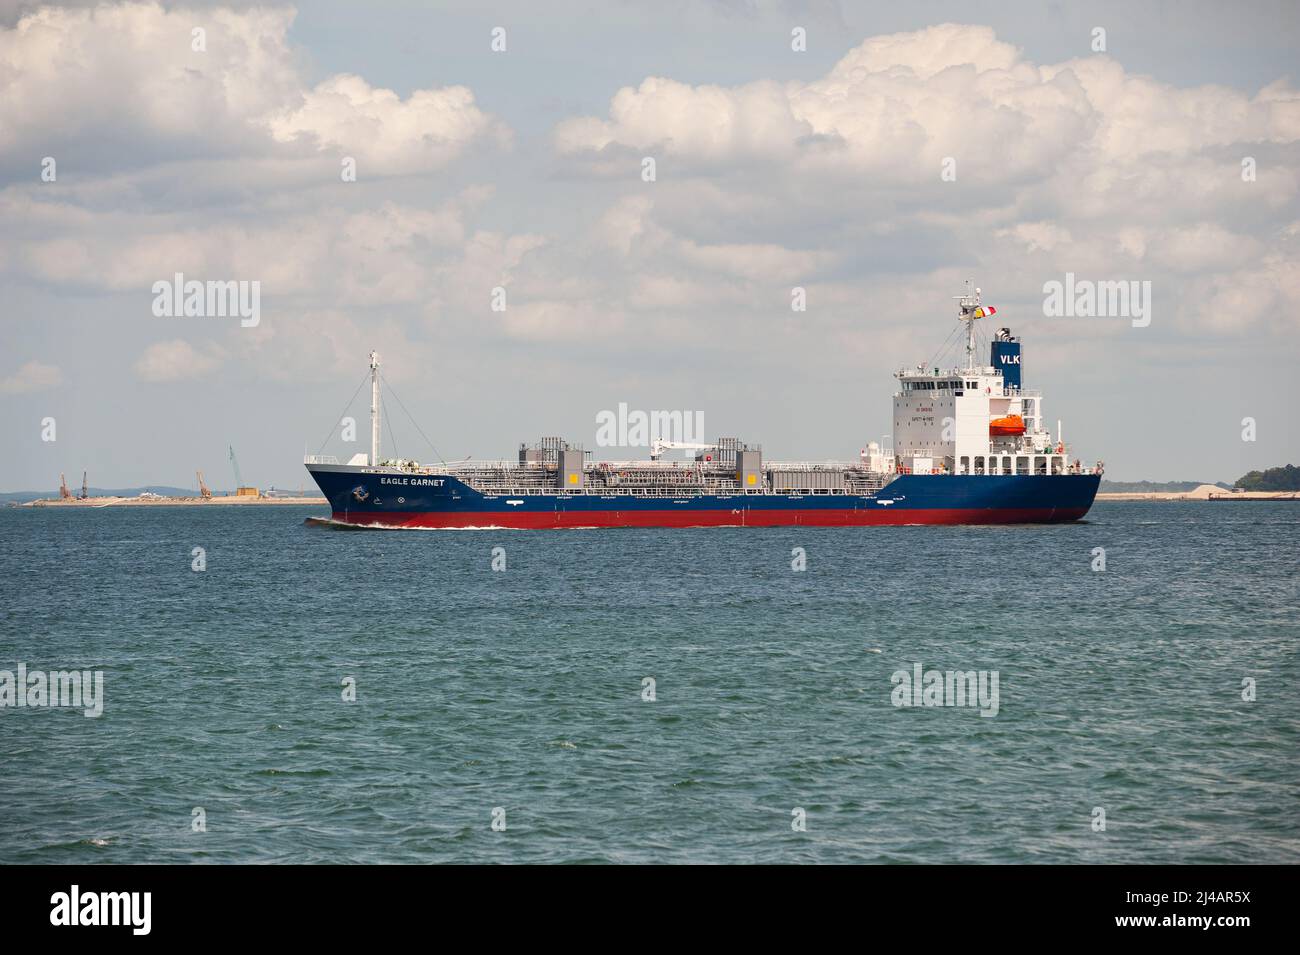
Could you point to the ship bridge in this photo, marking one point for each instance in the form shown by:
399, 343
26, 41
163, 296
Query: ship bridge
974, 419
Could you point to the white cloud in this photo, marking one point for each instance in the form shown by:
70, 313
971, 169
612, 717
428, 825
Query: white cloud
119, 74
177, 360
32, 376
1079, 166
369, 257
124, 85
895, 106
1037, 235
383, 132
707, 122
832, 184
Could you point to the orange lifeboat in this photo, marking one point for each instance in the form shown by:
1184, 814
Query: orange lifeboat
1009, 427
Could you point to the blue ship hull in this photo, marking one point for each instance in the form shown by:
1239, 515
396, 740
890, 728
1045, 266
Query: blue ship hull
370, 497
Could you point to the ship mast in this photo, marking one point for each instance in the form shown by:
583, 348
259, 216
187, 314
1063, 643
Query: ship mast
374, 409
969, 304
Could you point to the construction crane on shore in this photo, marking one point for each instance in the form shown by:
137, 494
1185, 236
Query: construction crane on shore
85, 492
205, 492
64, 493
241, 490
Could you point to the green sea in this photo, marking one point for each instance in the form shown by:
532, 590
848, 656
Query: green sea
317, 695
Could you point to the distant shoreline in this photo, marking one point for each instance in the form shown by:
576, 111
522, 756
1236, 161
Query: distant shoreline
172, 501
1219, 496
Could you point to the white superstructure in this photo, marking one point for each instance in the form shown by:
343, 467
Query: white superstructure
973, 419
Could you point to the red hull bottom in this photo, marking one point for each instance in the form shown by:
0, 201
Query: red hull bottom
772, 518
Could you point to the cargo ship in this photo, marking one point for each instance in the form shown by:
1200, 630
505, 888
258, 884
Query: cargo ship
969, 447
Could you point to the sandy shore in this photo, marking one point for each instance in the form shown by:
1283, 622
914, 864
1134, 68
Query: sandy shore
1206, 492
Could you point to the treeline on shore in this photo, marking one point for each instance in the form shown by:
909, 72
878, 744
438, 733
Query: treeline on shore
1285, 478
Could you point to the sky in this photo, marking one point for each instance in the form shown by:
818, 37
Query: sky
873, 155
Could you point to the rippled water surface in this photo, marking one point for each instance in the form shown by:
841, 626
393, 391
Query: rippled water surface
523, 690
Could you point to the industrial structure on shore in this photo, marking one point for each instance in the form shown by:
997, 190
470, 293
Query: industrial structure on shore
242, 494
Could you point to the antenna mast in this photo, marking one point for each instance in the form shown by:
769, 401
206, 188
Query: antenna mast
970, 310
374, 409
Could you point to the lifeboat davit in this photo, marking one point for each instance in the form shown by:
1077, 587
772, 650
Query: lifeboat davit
1009, 427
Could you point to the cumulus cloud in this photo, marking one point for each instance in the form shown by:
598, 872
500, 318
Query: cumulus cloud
429, 129
32, 376
177, 360
121, 85
1080, 166
896, 105
832, 184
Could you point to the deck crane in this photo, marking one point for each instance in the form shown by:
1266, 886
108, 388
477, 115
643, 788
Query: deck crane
658, 446
205, 492
64, 493
85, 492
